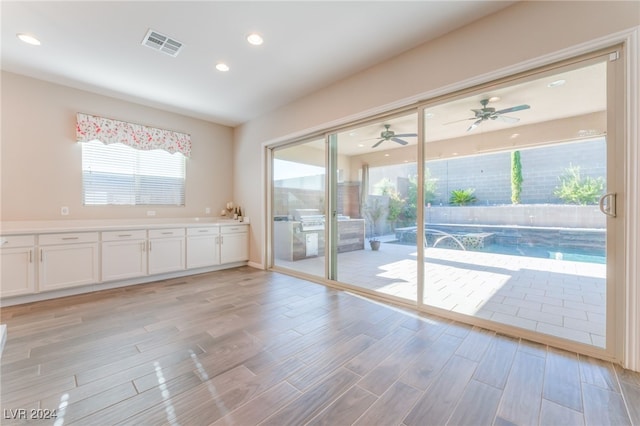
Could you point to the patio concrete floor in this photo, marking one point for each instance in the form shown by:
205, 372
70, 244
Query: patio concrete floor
556, 297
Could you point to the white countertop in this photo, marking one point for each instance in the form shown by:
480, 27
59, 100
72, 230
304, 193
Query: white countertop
55, 226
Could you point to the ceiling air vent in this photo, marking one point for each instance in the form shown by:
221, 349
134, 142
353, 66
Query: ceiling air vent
161, 42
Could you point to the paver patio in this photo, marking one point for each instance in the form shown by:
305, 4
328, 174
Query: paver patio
556, 297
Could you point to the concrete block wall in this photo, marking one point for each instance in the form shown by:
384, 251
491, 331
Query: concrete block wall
490, 174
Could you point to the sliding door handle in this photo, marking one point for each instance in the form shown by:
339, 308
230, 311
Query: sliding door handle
607, 204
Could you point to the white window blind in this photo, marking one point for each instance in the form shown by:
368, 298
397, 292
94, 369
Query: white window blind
120, 175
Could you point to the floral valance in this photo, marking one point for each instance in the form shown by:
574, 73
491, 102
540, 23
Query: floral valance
108, 131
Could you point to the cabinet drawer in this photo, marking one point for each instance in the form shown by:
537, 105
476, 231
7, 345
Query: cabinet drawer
234, 229
210, 230
70, 238
139, 234
166, 233
11, 241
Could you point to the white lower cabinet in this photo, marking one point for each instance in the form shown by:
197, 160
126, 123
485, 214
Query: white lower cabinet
53, 261
203, 247
124, 254
166, 250
234, 243
67, 260
17, 263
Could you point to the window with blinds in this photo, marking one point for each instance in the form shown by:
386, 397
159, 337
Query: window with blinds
116, 174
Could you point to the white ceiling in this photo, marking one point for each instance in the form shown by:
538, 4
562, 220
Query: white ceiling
96, 46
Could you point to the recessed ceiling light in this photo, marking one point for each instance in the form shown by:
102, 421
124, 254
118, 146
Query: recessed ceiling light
515, 135
29, 39
556, 83
255, 39
386, 155
360, 145
494, 99
222, 67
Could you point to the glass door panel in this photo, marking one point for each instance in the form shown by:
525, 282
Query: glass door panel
376, 191
298, 207
513, 231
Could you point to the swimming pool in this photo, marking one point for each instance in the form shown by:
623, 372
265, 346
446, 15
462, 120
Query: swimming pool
578, 245
545, 252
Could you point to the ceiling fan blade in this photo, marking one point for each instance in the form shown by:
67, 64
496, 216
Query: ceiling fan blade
474, 125
400, 141
458, 121
512, 109
378, 143
407, 135
505, 118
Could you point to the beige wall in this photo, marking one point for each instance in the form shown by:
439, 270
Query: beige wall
41, 162
513, 36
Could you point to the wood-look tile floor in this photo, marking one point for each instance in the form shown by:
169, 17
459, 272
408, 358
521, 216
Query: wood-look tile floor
247, 347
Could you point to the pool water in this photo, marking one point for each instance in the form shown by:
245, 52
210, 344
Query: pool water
557, 253
527, 250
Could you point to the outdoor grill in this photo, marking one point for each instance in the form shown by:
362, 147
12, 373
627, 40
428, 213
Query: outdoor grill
310, 219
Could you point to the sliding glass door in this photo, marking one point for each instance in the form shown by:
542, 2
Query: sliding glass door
517, 215
298, 207
376, 188
495, 205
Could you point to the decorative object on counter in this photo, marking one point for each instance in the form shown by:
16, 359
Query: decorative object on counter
229, 208
235, 214
240, 216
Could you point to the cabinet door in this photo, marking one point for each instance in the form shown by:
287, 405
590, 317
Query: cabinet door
234, 247
166, 255
17, 271
123, 259
68, 265
202, 251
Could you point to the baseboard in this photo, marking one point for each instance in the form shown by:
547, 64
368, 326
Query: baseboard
256, 265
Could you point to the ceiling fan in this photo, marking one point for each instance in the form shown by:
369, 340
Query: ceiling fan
489, 113
390, 135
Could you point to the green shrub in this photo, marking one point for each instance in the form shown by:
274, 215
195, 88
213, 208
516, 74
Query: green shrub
384, 187
575, 189
396, 203
411, 202
462, 197
430, 187
395, 206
